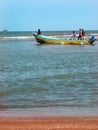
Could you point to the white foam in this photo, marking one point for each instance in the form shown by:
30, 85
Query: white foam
17, 38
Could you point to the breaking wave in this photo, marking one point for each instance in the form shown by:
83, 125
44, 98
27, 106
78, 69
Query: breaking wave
17, 38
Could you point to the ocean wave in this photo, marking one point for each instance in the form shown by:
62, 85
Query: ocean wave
17, 38
95, 34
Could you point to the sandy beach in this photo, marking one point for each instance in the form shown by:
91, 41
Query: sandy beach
49, 123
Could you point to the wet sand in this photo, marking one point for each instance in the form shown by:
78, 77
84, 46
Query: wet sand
49, 123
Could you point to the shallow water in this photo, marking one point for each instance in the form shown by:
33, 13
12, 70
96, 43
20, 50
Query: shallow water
48, 78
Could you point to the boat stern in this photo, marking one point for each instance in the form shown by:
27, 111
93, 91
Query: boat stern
92, 39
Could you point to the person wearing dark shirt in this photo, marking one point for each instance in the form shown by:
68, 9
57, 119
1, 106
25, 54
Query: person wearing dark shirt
39, 32
80, 34
83, 33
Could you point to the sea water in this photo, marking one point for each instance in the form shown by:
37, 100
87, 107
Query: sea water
48, 80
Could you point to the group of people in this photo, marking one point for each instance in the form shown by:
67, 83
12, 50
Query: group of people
80, 36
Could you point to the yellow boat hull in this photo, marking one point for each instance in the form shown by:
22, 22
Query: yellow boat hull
60, 41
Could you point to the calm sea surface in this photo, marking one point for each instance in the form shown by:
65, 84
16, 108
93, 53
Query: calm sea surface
47, 79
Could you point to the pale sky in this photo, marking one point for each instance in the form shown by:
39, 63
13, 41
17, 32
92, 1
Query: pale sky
29, 15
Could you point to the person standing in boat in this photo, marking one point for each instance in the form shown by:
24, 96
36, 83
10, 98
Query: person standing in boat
39, 32
73, 35
83, 33
80, 35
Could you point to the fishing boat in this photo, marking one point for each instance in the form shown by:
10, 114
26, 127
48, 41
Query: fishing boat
42, 39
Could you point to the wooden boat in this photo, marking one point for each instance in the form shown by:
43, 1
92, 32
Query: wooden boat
61, 41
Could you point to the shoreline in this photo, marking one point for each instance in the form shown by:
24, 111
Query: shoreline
48, 112
42, 120
49, 123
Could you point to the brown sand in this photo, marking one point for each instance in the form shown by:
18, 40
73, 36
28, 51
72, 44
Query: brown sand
49, 123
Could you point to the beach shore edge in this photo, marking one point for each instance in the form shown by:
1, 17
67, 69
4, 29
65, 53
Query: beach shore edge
49, 123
